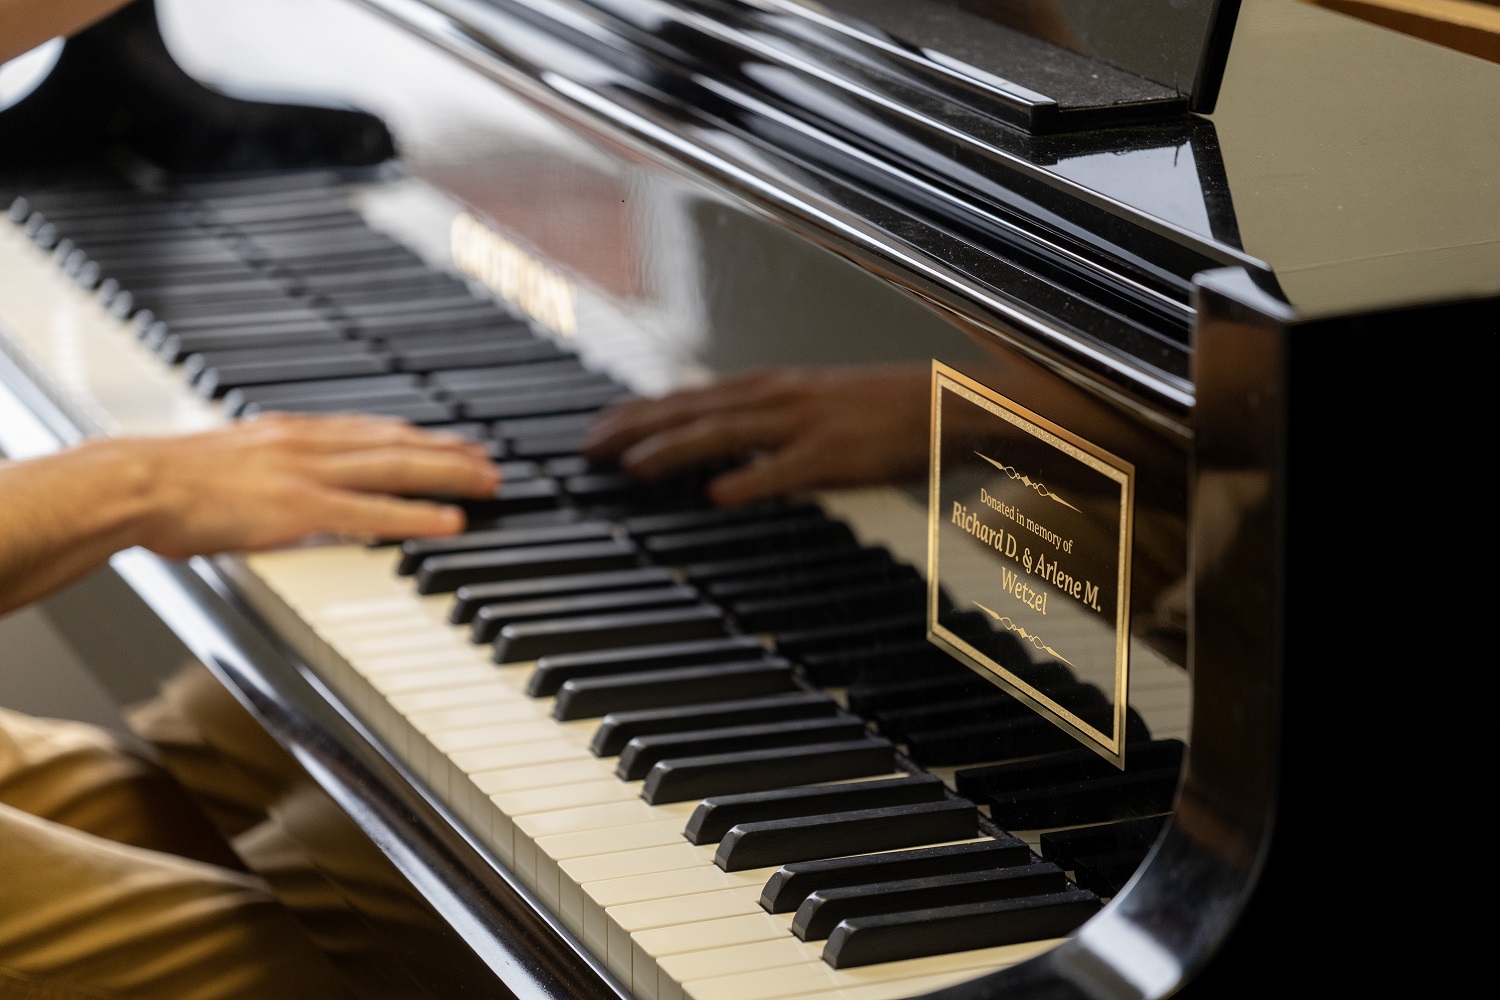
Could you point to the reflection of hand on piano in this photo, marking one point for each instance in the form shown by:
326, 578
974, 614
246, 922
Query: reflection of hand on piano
254, 485
807, 428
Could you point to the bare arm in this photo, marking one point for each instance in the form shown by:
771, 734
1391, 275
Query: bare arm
254, 485
25, 24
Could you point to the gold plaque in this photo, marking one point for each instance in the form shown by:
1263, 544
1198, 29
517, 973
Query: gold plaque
1028, 558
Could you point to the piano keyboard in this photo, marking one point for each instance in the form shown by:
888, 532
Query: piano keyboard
668, 722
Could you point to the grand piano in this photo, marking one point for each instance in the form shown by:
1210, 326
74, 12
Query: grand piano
1152, 285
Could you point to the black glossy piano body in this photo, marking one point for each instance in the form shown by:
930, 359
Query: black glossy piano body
719, 200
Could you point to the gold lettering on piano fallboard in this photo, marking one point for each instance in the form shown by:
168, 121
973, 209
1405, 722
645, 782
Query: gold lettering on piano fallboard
1029, 547
514, 275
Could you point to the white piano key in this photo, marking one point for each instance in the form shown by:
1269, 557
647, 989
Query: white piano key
615, 870
817, 977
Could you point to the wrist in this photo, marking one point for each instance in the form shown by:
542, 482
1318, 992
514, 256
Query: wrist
123, 476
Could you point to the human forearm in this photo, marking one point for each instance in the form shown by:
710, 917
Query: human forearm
25, 24
64, 515
255, 485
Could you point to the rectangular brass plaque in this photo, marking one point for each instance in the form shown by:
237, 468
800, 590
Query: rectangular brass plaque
1029, 549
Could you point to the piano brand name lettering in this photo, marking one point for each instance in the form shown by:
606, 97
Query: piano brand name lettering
514, 275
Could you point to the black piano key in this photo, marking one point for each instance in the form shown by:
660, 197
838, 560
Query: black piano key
860, 831
1135, 836
553, 671
214, 382
786, 582
469, 599
686, 778
194, 364
511, 405
893, 937
642, 752
979, 707
174, 347
494, 617
563, 466
707, 573
413, 358
559, 636
554, 425
686, 547
1106, 874
791, 884
716, 816
848, 667
1075, 764
804, 610
441, 574
355, 388
825, 909
512, 376
618, 728
1118, 796
1003, 740
414, 550
546, 446
895, 628
594, 697
692, 520
944, 685
416, 411
509, 499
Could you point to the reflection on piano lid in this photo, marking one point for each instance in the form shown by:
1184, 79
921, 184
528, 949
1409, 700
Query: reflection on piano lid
614, 741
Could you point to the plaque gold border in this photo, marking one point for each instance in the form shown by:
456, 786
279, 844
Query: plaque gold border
1109, 746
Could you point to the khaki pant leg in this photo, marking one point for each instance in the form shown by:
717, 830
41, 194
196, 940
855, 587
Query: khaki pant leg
81, 912
95, 781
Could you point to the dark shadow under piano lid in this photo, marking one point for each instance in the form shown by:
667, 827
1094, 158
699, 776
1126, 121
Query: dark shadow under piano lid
614, 740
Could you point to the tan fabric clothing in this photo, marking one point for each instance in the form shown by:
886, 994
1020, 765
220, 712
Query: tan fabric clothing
93, 906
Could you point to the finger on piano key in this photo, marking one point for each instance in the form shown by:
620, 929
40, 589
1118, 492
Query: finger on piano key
617, 728
714, 817
593, 697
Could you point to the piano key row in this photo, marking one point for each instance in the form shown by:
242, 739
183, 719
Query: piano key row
601, 639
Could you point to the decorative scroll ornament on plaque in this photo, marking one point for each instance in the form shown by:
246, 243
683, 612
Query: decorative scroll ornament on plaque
1029, 550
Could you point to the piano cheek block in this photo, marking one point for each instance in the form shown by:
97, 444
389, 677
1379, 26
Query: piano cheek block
892, 937
550, 637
